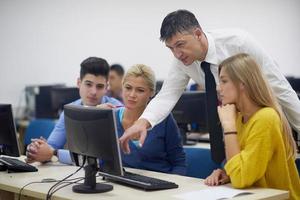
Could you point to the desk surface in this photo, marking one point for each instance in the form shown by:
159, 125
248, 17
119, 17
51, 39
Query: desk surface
12, 182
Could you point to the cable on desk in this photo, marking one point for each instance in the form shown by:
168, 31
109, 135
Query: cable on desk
52, 190
66, 184
20, 192
60, 186
69, 183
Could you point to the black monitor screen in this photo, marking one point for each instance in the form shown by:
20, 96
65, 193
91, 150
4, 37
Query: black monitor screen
191, 108
158, 86
92, 132
295, 83
8, 137
63, 96
43, 101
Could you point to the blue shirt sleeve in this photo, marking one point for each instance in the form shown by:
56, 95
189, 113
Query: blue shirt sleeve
106, 99
57, 138
64, 156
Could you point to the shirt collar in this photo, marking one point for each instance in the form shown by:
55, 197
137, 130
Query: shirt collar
211, 56
101, 101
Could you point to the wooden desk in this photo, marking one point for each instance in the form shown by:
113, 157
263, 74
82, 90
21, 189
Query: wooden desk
14, 181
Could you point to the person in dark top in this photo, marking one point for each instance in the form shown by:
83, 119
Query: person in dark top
162, 150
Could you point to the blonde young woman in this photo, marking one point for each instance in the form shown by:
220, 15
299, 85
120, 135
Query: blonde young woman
162, 150
260, 149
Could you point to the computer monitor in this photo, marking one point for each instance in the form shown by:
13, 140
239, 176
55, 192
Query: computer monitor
8, 137
189, 111
62, 96
295, 83
38, 101
158, 85
91, 132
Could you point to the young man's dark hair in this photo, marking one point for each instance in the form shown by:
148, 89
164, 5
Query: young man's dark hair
118, 69
178, 21
94, 65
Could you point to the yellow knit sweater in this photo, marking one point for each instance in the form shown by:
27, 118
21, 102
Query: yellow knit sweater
262, 161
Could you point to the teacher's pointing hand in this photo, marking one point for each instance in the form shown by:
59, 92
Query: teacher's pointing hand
137, 131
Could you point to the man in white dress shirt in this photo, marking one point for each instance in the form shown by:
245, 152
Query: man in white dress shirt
190, 45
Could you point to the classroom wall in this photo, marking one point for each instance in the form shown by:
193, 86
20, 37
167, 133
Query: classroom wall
43, 41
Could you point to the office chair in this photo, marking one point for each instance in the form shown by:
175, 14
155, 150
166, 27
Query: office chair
38, 128
199, 162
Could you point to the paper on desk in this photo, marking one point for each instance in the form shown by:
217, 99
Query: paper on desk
213, 193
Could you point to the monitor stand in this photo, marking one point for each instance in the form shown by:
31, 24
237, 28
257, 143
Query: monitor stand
90, 185
185, 141
189, 143
198, 137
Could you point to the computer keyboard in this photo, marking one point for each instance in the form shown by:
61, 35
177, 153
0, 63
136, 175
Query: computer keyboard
15, 165
140, 181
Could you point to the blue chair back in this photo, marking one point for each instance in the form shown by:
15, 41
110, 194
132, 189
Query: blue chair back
38, 128
199, 162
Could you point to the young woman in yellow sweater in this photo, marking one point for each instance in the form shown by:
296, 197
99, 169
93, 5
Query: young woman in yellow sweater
260, 150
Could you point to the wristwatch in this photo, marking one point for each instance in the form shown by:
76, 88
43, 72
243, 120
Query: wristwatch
54, 158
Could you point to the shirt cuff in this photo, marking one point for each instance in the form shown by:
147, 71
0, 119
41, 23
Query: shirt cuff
64, 156
150, 118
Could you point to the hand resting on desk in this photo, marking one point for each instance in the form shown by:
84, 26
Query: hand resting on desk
217, 177
39, 150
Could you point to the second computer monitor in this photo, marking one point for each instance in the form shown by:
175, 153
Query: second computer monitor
8, 137
63, 96
191, 108
43, 101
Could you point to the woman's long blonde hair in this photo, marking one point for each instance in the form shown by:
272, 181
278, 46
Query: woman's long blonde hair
242, 68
